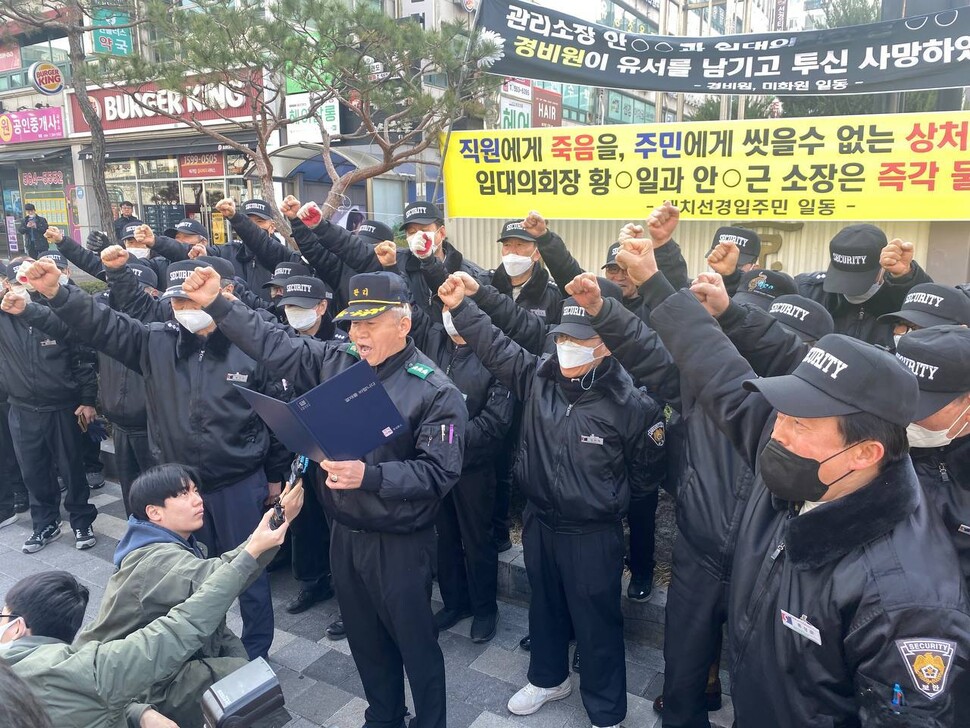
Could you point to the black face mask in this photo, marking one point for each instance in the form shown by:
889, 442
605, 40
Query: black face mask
791, 477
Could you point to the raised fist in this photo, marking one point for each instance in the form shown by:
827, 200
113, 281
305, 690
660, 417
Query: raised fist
310, 214
637, 259
54, 235
709, 289
14, 304
44, 276
226, 207
196, 250
534, 224
290, 207
144, 235
586, 290
471, 285
662, 223
386, 253
724, 258
203, 285
114, 257
452, 292
97, 241
897, 257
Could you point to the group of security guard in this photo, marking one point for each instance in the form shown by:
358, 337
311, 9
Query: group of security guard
813, 430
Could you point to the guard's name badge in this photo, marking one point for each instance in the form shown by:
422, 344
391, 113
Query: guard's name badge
591, 439
964, 529
237, 377
801, 626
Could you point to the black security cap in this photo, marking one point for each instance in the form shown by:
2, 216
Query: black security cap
374, 232
223, 267
574, 321
304, 291
371, 294
807, 318
514, 229
760, 287
285, 271
940, 358
841, 376
422, 213
611, 255
129, 232
191, 227
259, 208
930, 304
854, 259
59, 260
145, 274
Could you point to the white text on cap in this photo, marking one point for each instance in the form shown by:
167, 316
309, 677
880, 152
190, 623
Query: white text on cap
823, 361
921, 370
927, 299
788, 309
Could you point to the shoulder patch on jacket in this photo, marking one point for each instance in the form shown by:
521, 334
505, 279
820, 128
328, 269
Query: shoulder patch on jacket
928, 661
352, 350
421, 371
657, 434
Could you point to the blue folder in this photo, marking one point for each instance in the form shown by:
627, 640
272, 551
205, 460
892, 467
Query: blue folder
344, 418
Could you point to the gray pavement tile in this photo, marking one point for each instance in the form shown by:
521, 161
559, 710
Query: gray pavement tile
638, 677
108, 525
654, 688
490, 720
299, 653
332, 667
645, 655
459, 650
510, 667
318, 702
461, 715
350, 715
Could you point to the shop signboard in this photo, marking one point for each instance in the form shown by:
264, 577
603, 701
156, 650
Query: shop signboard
12, 233
546, 108
31, 125
9, 58
46, 78
307, 129
108, 38
194, 166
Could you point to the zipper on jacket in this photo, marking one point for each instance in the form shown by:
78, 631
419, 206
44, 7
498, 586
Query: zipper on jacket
944, 473
755, 605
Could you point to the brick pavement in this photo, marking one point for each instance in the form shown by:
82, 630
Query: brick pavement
318, 676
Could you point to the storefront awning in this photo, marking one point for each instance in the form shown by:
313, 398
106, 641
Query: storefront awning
34, 155
197, 144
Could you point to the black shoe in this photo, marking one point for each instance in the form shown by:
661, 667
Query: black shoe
21, 503
84, 538
8, 518
308, 596
658, 705
95, 480
503, 546
713, 698
526, 643
483, 628
576, 660
39, 539
639, 590
447, 618
336, 630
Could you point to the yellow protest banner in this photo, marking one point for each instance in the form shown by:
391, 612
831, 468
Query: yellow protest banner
885, 167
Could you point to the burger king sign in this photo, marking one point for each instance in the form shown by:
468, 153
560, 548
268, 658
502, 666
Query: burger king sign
46, 78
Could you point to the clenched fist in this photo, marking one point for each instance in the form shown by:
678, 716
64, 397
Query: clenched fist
54, 235
114, 257
13, 303
452, 292
386, 253
310, 214
586, 290
897, 257
709, 289
144, 235
724, 258
196, 250
637, 259
290, 207
203, 285
662, 223
535, 224
226, 207
44, 276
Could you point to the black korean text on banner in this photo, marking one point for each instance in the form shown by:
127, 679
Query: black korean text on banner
918, 53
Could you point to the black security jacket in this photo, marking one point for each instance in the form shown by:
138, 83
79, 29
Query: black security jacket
45, 370
195, 413
861, 321
873, 572
577, 463
405, 479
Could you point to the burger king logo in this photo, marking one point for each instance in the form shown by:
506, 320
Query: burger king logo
46, 78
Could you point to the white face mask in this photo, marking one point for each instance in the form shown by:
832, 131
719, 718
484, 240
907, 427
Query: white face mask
572, 355
863, 297
62, 279
896, 338
516, 265
7, 645
27, 285
449, 323
300, 318
422, 244
919, 436
139, 252
193, 320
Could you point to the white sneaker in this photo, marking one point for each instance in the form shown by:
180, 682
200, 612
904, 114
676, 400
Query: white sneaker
530, 698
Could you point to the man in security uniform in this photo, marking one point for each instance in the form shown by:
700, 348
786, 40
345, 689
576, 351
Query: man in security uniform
586, 446
383, 507
846, 603
195, 414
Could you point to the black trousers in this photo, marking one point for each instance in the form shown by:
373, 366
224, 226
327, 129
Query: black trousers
575, 580
91, 452
11, 480
696, 612
383, 584
642, 520
310, 535
231, 515
504, 462
41, 439
467, 554
133, 456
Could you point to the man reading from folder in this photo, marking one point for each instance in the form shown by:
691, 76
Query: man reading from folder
383, 507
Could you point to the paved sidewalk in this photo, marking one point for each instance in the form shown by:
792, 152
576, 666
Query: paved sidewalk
318, 676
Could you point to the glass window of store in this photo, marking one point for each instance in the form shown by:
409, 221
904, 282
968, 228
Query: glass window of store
168, 189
